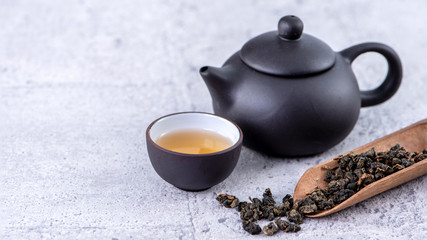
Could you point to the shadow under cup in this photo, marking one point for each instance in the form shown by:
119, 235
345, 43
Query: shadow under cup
193, 172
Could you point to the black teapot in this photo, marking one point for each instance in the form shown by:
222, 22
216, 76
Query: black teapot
291, 94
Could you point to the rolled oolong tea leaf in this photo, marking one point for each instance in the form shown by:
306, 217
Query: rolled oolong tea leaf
247, 214
281, 210
228, 201
251, 211
307, 206
268, 212
270, 229
287, 226
365, 179
241, 206
251, 227
398, 167
255, 202
268, 198
288, 199
341, 195
294, 216
319, 197
330, 176
420, 157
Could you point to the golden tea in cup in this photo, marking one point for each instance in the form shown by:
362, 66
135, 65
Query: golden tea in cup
194, 141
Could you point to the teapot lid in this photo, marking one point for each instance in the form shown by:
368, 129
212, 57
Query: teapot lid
288, 51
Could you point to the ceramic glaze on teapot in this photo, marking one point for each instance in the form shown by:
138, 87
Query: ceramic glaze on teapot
291, 94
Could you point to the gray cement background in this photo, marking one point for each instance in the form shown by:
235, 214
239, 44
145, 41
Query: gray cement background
81, 80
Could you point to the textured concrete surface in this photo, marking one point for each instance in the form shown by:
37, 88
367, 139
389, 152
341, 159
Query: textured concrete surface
81, 80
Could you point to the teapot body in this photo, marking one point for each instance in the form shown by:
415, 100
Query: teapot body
287, 116
291, 94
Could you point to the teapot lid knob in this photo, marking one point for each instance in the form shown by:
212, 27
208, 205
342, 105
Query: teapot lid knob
290, 27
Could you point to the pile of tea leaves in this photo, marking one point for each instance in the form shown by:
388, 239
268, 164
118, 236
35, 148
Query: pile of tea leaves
354, 172
256, 209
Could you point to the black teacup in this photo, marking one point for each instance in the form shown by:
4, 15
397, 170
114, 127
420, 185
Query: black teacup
193, 171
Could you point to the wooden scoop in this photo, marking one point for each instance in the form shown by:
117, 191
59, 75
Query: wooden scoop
413, 138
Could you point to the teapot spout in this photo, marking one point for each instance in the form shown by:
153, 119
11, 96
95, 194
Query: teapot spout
212, 75
219, 86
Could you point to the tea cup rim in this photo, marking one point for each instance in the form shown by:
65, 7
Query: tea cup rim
232, 147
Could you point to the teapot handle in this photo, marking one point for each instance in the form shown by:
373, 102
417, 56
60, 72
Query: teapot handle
394, 75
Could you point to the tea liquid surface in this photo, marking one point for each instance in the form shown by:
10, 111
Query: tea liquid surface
194, 141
